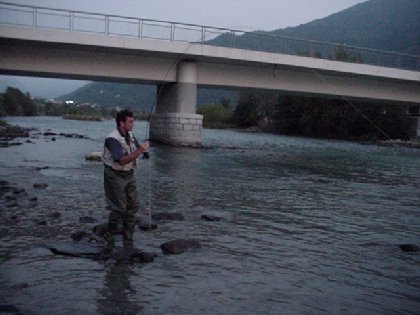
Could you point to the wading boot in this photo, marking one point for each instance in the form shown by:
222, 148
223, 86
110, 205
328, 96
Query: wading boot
109, 239
109, 245
128, 230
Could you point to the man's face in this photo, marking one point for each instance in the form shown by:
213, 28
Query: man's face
128, 124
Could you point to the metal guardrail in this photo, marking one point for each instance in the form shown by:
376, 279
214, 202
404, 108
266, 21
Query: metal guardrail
114, 25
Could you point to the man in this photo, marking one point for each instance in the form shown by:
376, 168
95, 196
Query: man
121, 152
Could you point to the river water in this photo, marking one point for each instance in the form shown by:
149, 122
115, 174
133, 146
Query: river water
309, 226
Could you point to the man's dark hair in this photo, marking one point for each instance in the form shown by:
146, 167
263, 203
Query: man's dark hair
122, 116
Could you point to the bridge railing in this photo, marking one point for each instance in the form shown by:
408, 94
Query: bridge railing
113, 25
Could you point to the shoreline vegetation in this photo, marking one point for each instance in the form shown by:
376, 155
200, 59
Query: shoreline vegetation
82, 117
257, 111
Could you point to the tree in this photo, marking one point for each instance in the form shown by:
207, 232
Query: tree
215, 116
245, 114
2, 110
15, 103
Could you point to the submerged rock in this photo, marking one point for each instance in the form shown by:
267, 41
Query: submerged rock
408, 248
9, 309
40, 185
146, 225
42, 168
96, 251
76, 249
205, 217
179, 246
168, 216
101, 229
87, 219
22, 285
54, 215
79, 235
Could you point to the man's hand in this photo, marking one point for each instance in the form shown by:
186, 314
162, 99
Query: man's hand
141, 149
145, 147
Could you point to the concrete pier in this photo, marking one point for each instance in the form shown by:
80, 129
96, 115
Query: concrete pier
175, 120
177, 129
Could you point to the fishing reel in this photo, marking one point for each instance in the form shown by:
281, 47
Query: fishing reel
146, 154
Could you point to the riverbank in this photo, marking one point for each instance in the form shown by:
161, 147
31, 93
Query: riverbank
9, 132
82, 117
400, 143
414, 143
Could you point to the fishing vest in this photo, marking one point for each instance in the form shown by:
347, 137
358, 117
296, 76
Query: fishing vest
128, 148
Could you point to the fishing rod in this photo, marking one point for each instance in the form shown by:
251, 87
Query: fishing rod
146, 154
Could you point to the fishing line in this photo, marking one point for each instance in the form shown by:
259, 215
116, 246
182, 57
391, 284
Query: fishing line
352, 105
146, 154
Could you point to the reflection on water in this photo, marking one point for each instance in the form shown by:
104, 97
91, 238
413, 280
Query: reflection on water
309, 226
116, 292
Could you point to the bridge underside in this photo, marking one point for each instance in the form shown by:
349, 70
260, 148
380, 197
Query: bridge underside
179, 72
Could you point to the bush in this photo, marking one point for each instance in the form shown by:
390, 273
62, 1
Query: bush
215, 116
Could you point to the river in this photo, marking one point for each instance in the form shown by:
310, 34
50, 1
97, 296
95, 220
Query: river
308, 226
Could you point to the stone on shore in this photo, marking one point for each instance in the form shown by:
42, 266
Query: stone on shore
94, 156
11, 132
179, 246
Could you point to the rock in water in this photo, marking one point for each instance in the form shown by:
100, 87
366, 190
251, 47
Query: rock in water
87, 220
166, 216
206, 217
81, 249
179, 246
40, 185
94, 156
101, 229
9, 309
408, 248
145, 225
142, 257
96, 251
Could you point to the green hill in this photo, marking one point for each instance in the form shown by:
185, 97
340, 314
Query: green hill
136, 96
392, 25
108, 94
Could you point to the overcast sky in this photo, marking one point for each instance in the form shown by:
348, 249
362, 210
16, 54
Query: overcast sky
244, 15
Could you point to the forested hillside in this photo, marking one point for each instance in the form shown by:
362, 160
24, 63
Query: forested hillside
392, 25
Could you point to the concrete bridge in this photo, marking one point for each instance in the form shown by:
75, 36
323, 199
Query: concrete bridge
46, 42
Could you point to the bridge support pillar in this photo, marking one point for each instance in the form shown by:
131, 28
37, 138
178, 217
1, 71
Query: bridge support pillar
175, 120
